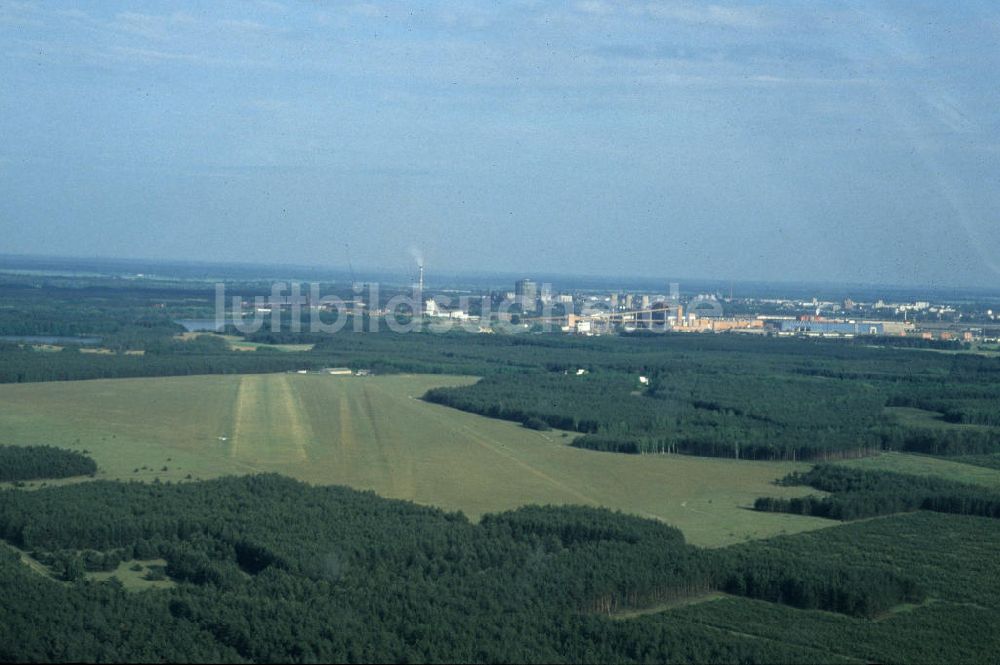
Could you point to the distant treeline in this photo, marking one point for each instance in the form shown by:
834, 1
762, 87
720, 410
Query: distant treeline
910, 342
123, 316
941, 441
38, 462
932, 441
857, 493
24, 365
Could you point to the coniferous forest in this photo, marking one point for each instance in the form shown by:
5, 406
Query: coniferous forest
268, 569
34, 462
856, 494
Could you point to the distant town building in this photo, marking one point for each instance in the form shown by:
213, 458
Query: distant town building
526, 294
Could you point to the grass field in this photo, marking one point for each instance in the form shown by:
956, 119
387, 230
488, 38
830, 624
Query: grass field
920, 418
134, 575
375, 433
925, 465
239, 344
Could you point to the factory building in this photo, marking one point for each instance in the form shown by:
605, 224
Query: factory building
824, 327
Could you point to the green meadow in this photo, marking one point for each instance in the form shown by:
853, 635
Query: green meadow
375, 433
921, 418
925, 465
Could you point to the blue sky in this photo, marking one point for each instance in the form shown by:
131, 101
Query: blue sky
853, 141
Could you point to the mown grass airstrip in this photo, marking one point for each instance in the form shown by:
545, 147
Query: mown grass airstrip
375, 433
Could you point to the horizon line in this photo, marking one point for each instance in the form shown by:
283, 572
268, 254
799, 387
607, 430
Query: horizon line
483, 273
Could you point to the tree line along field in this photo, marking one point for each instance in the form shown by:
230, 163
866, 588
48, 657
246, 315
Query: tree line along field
20, 463
374, 433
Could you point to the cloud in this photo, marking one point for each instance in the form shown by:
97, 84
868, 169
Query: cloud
152, 26
72, 13
369, 9
271, 5
731, 16
152, 55
948, 111
728, 16
270, 105
244, 26
808, 80
181, 26
467, 16
767, 49
594, 7
21, 14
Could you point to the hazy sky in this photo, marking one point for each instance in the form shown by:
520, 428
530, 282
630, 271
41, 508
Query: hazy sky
778, 141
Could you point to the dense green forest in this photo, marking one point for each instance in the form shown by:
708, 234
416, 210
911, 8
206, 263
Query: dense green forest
36, 462
123, 314
857, 493
748, 399
271, 569
951, 557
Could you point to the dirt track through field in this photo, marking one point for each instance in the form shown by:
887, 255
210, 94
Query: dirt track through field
269, 422
345, 441
246, 396
299, 429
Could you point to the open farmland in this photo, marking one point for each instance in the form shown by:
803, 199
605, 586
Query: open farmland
375, 433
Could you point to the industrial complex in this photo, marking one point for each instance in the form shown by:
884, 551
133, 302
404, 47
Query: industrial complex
535, 306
